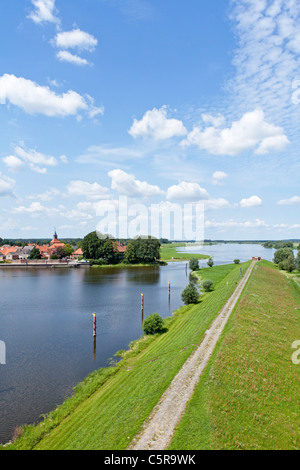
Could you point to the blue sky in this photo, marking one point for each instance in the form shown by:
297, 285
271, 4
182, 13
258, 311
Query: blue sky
164, 102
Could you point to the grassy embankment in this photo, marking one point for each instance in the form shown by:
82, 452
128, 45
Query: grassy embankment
168, 252
248, 396
108, 409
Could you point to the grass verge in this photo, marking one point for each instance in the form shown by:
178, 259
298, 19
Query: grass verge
168, 252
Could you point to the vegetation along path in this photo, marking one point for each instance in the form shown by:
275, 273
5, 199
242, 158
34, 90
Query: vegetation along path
157, 431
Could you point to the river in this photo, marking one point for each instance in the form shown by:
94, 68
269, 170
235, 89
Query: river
47, 325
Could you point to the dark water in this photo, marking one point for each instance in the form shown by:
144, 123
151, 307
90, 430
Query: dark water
47, 325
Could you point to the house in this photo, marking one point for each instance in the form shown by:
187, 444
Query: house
77, 253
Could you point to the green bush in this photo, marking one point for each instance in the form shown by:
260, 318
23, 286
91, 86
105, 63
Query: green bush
236, 261
190, 295
210, 262
194, 264
207, 285
153, 324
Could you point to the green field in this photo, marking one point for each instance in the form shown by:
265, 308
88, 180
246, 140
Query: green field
248, 397
168, 252
108, 409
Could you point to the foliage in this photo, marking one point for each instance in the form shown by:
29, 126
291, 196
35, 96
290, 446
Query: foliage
153, 324
194, 264
35, 254
288, 264
282, 254
210, 262
236, 261
190, 294
207, 285
94, 247
143, 250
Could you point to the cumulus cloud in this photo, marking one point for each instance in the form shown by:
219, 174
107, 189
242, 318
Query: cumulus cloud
37, 99
250, 132
253, 201
13, 163
291, 201
127, 185
44, 11
75, 39
186, 191
89, 190
66, 56
157, 125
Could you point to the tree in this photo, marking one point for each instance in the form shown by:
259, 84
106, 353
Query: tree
288, 264
297, 261
236, 261
282, 254
190, 294
95, 248
210, 262
68, 249
153, 324
207, 285
60, 253
194, 264
35, 254
143, 250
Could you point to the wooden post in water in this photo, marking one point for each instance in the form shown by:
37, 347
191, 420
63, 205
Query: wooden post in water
94, 325
142, 307
169, 289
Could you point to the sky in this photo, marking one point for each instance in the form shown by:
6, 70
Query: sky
165, 103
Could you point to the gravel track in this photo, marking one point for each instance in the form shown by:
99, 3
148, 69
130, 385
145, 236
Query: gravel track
157, 431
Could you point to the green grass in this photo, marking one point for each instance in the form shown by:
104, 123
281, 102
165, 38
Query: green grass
248, 396
108, 410
169, 252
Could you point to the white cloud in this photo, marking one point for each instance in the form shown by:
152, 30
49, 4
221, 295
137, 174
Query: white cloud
157, 125
218, 177
6, 186
235, 224
13, 163
127, 185
36, 209
246, 134
66, 56
44, 11
48, 195
216, 121
89, 190
75, 39
253, 201
186, 191
37, 99
108, 155
288, 202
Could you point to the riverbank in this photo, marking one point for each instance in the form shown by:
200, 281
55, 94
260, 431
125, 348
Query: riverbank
112, 403
168, 252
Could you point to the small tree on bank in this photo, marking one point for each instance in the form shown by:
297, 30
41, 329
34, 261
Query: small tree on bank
210, 262
153, 324
207, 285
194, 264
190, 295
236, 261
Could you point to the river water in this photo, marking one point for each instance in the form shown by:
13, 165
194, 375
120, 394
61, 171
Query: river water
46, 324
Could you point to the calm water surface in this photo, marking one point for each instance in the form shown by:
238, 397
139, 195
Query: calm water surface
46, 324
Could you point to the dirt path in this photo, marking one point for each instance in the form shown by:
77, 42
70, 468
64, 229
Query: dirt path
157, 431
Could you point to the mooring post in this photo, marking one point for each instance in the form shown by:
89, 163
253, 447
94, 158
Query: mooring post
94, 324
142, 306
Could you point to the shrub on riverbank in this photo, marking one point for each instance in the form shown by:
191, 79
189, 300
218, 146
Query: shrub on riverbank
153, 324
190, 295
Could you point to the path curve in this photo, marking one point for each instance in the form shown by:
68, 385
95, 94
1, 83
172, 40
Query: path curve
157, 431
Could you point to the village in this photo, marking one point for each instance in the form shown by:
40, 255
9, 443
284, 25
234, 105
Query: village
16, 255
